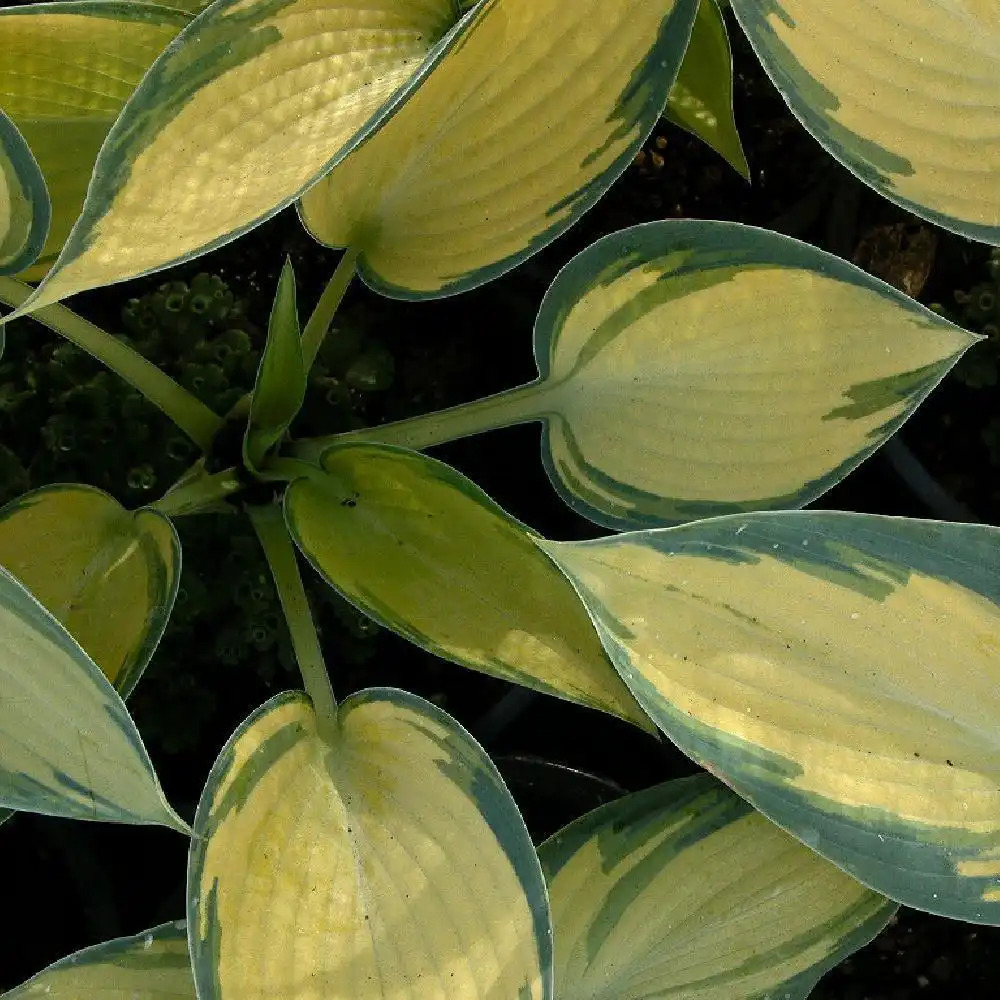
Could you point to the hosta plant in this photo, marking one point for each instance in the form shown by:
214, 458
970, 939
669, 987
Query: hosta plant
698, 383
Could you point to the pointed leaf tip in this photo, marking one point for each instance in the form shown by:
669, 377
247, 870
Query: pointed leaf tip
839, 671
247, 107
68, 746
675, 389
280, 387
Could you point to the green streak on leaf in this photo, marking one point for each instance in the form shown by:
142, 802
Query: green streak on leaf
194, 61
868, 398
256, 767
874, 164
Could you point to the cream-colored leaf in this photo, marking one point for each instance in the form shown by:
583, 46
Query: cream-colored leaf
516, 133
905, 93
66, 72
153, 965
696, 368
684, 892
251, 103
389, 863
108, 575
689, 369
840, 671
67, 744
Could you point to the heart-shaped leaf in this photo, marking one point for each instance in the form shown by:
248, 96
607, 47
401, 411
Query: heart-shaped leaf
67, 744
690, 369
905, 93
391, 862
250, 104
683, 890
514, 136
839, 671
701, 99
281, 377
424, 551
25, 210
697, 368
153, 965
108, 575
68, 69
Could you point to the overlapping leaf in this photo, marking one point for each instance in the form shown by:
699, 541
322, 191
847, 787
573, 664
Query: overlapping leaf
68, 69
25, 210
247, 107
108, 575
905, 93
516, 133
154, 965
67, 744
391, 862
683, 890
701, 99
281, 378
425, 552
840, 671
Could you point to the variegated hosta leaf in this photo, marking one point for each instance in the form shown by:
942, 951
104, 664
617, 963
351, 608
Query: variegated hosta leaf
905, 93
516, 133
390, 862
108, 575
697, 368
25, 210
67, 744
839, 671
66, 72
154, 965
281, 378
701, 99
424, 551
685, 891
250, 104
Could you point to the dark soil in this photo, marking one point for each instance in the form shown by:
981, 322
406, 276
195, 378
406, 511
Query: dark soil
80, 883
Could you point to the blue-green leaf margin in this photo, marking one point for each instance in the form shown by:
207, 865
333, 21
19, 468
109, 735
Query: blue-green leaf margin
23, 176
964, 554
867, 159
713, 252
133, 126
639, 105
133, 949
487, 788
623, 826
